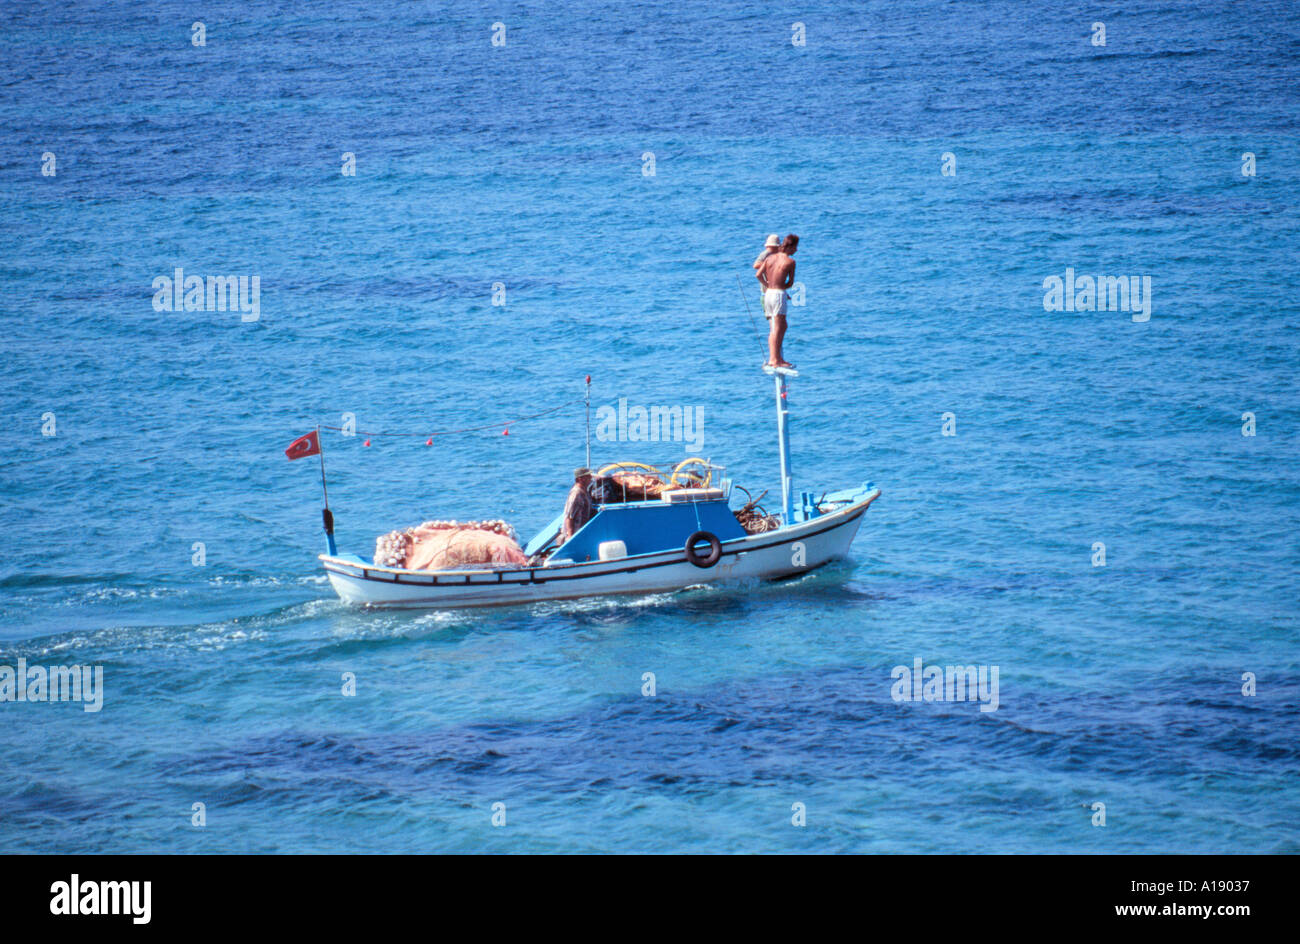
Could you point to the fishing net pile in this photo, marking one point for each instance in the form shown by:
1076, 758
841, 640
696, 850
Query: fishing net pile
450, 545
629, 486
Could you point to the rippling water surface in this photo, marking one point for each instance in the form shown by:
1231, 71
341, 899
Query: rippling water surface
523, 165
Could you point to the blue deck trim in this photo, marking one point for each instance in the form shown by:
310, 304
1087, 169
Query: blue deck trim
543, 537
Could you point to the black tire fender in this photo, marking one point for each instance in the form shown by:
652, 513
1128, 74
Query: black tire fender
708, 559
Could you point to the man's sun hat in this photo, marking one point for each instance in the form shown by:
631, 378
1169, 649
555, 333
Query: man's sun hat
773, 241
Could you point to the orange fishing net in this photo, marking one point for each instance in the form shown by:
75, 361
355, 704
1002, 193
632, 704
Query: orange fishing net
450, 545
630, 486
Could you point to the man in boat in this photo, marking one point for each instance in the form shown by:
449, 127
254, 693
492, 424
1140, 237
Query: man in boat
578, 509
776, 275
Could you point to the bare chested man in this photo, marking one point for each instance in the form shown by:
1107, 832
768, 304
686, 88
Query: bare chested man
777, 275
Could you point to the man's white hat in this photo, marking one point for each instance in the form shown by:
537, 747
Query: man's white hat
773, 242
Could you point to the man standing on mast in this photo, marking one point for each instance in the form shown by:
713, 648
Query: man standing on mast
777, 275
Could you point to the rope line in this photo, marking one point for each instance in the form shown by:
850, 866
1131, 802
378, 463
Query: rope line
451, 432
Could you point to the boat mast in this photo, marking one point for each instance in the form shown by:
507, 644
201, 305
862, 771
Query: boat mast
783, 439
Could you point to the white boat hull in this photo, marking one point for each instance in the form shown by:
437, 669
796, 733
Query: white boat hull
783, 553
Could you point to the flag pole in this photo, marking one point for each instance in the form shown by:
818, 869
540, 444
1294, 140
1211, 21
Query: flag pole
588, 421
327, 516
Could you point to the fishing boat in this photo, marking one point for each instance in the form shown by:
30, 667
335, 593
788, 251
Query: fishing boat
684, 536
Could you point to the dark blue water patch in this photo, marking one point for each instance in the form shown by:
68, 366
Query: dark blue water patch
860, 72
809, 727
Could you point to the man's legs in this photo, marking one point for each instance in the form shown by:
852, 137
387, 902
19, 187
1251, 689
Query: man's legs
774, 302
774, 339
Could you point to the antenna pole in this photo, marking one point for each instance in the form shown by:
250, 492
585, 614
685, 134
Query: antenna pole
327, 516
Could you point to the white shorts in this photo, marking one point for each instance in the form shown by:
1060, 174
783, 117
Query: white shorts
774, 301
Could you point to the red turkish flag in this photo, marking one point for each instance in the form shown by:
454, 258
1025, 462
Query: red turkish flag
304, 446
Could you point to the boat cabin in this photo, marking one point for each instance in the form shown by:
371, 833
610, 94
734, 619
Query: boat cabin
626, 529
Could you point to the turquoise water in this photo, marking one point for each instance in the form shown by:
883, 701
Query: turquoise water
523, 164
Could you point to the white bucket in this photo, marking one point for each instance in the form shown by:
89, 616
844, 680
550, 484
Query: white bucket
612, 550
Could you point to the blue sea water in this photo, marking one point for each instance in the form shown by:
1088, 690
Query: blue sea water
526, 164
